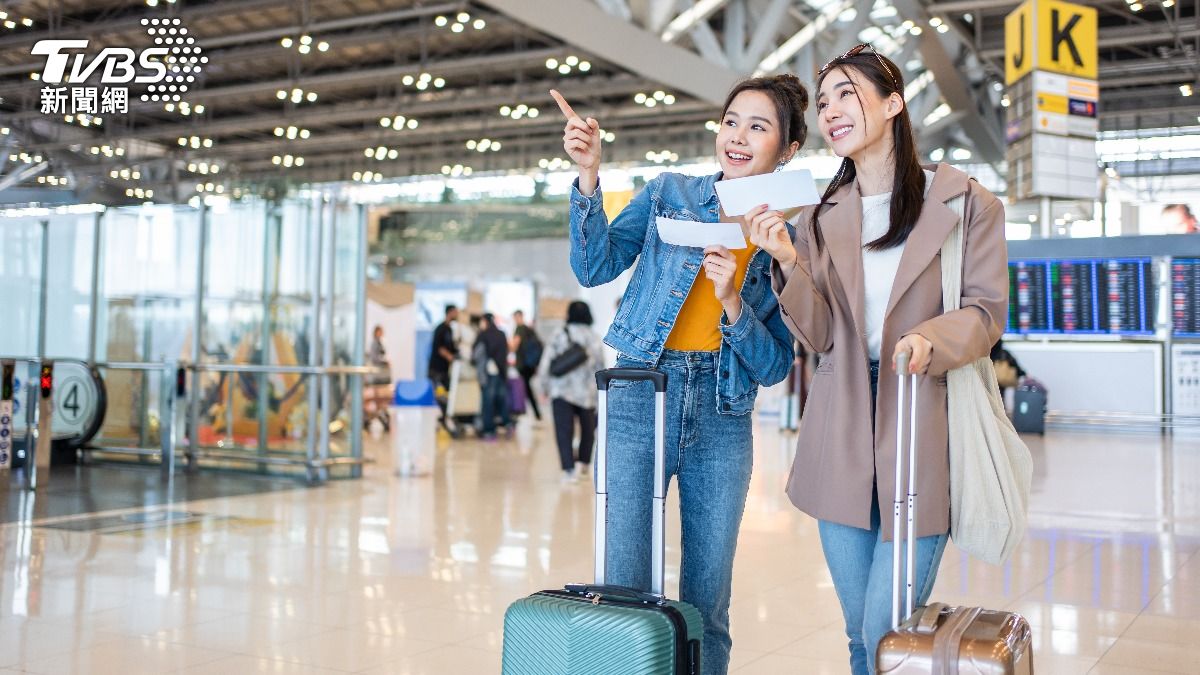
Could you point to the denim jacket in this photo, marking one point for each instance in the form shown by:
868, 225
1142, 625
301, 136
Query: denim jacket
755, 350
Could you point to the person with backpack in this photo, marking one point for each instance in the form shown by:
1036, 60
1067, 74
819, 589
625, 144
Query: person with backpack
528, 348
490, 354
570, 364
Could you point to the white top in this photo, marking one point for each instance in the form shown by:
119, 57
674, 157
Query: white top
879, 267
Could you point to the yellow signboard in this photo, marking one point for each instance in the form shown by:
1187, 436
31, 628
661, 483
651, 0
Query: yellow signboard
1052, 103
1018, 42
1066, 39
1053, 36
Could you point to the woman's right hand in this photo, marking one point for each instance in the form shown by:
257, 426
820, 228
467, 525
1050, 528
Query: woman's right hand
581, 140
769, 232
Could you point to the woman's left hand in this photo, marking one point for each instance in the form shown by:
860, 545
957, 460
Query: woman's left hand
921, 350
720, 267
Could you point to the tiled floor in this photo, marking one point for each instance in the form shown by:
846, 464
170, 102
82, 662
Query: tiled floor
412, 575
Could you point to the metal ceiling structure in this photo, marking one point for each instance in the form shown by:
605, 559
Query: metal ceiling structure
652, 71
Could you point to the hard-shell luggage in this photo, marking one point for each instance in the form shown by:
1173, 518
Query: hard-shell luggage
597, 629
516, 396
1029, 408
938, 639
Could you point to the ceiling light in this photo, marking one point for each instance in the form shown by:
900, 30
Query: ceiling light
323, 46
463, 17
441, 21
1185, 89
304, 49
439, 83
408, 80
305, 40
572, 60
312, 97
564, 69
456, 28
471, 144
479, 24
639, 97
412, 124
551, 64
505, 110
385, 122
286, 42
585, 66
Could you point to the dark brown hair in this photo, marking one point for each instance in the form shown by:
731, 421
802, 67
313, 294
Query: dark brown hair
908, 184
790, 99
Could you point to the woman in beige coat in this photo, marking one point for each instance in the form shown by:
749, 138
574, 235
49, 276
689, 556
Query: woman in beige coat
862, 282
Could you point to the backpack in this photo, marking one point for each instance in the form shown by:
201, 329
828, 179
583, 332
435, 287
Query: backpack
531, 350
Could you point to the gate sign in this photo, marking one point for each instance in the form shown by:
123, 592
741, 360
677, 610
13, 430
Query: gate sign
1018, 43
1052, 36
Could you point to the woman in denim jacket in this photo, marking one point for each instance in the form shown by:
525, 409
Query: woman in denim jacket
717, 334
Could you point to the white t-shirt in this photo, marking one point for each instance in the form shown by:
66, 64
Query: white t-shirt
879, 267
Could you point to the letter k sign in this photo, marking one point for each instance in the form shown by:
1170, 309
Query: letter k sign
1060, 34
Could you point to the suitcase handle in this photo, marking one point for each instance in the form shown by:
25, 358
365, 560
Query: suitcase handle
902, 362
659, 379
658, 511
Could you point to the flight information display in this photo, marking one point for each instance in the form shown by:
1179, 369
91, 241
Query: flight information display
1096, 296
1185, 297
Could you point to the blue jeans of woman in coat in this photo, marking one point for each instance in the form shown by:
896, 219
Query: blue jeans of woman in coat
860, 563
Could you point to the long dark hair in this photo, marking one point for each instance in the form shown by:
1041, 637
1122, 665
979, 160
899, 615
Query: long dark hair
908, 183
790, 99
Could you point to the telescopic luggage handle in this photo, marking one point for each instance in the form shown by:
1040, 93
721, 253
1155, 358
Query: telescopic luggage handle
902, 362
659, 378
658, 542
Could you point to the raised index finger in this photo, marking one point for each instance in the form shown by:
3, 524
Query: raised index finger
562, 104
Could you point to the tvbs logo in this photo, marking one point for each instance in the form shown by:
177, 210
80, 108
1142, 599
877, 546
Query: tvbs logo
168, 69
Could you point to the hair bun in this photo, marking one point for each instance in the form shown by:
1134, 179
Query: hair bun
795, 88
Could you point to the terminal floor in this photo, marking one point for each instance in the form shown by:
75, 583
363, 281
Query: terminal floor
76, 490
412, 575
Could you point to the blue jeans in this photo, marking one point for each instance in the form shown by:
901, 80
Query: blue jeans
711, 456
495, 402
860, 563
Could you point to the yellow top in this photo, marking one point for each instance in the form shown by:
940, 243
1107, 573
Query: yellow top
697, 327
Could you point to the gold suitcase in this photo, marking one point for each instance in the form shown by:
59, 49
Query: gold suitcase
938, 639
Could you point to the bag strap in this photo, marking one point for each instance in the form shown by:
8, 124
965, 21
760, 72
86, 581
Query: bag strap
952, 258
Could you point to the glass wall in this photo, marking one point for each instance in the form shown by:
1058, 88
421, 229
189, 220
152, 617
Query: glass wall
278, 278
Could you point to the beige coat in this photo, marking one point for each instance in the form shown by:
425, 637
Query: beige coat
839, 459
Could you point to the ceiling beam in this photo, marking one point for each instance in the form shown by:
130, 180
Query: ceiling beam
941, 59
584, 25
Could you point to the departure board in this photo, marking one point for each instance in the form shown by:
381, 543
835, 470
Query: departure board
1113, 296
1185, 297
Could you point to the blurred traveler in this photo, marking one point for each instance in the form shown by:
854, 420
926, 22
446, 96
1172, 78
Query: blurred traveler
570, 363
491, 361
1179, 219
444, 350
527, 347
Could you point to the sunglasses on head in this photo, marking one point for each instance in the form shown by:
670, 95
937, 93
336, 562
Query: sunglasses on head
855, 51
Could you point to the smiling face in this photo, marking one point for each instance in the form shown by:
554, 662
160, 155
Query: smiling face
749, 141
852, 115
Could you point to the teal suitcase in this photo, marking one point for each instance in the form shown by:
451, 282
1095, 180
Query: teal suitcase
600, 629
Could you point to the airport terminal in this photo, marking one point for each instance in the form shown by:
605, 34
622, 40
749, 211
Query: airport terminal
333, 341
